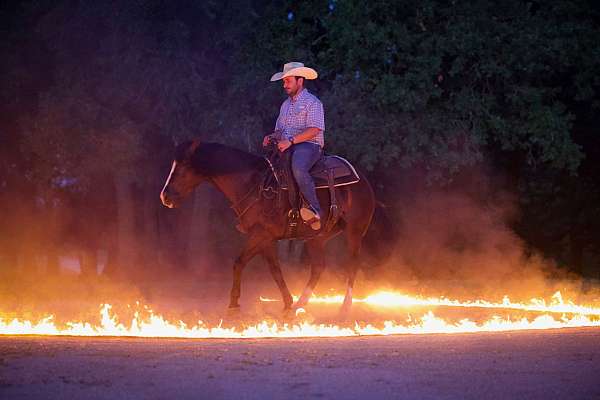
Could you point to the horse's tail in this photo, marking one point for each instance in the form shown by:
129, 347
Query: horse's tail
381, 237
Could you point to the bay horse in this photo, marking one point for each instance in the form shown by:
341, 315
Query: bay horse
238, 175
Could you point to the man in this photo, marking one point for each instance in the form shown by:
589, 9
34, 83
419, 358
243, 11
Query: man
299, 128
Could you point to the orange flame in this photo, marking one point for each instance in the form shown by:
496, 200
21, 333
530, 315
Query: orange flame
158, 326
398, 300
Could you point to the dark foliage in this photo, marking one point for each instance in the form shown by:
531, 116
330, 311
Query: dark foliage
94, 96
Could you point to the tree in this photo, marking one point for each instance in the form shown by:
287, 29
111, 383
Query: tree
439, 83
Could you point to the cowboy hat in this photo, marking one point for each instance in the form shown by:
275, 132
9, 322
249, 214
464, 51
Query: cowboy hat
295, 69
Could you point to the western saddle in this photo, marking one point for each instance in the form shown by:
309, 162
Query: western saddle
329, 172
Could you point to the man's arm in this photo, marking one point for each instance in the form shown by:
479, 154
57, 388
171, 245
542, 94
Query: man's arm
308, 134
278, 128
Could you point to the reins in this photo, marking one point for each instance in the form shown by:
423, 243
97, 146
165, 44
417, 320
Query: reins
239, 206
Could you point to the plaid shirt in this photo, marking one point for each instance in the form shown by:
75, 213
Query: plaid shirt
297, 114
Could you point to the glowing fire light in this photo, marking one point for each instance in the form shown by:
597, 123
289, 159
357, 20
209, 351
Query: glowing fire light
397, 300
157, 326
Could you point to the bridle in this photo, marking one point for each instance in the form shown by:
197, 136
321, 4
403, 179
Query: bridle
256, 192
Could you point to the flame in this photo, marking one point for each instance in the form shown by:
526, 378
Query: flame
157, 326
398, 300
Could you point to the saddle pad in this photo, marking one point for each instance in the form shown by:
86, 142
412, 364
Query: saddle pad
343, 172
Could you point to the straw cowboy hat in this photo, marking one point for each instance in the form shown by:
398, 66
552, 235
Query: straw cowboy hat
295, 69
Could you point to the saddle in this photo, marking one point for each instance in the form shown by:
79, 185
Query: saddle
343, 173
329, 172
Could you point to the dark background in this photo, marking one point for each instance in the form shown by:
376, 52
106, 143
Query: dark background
476, 122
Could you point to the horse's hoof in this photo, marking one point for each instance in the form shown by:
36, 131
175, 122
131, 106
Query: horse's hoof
302, 316
289, 313
297, 306
233, 311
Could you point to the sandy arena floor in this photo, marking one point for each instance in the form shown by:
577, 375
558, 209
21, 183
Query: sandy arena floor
521, 365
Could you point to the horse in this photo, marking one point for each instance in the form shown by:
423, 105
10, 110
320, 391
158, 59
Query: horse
238, 175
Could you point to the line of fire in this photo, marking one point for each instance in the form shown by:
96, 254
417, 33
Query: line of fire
280, 175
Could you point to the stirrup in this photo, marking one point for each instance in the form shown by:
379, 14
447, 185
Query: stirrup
293, 213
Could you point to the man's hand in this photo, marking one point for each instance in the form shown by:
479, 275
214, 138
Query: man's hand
267, 140
283, 145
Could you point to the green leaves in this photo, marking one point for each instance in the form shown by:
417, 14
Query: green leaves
401, 81
433, 83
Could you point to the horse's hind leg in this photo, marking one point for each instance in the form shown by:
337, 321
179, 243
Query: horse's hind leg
316, 254
354, 239
270, 256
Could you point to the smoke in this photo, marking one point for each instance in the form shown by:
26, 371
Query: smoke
455, 240
458, 240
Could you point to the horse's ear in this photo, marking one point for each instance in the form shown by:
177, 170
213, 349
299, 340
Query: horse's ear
194, 146
191, 149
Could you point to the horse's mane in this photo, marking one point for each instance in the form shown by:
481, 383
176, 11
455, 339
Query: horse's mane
214, 159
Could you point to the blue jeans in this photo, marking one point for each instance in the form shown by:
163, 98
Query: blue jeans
304, 156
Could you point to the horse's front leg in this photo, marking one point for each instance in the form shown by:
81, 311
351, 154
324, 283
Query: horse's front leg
270, 255
253, 246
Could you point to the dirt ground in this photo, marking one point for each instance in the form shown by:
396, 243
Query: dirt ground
516, 365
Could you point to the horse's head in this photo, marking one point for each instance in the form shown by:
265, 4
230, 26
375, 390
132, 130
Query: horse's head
183, 177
